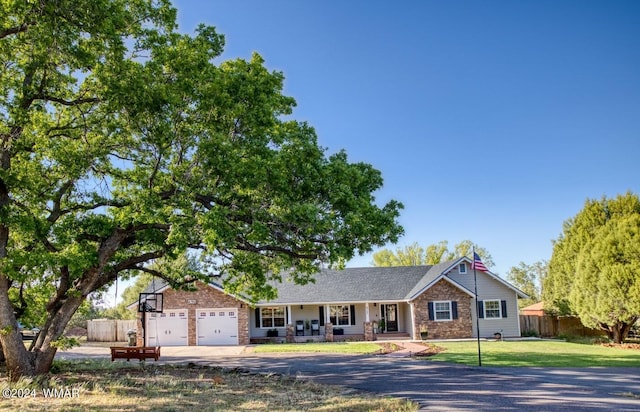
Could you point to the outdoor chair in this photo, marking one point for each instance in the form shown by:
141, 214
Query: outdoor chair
315, 327
299, 327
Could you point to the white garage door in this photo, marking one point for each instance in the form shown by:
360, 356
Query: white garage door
169, 328
218, 326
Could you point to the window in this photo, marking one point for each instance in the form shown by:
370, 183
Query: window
272, 317
492, 309
442, 310
340, 315
462, 268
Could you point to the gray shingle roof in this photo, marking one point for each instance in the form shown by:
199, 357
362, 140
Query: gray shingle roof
353, 285
368, 284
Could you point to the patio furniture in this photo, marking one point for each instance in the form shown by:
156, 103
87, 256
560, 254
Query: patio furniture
299, 327
315, 327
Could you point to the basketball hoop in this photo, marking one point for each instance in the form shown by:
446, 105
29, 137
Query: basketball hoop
150, 302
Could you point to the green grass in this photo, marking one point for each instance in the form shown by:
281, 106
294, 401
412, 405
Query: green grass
325, 347
543, 353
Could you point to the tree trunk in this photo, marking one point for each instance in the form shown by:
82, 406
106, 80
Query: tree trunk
619, 331
22, 362
19, 361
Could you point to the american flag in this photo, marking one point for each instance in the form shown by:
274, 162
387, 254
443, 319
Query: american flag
477, 263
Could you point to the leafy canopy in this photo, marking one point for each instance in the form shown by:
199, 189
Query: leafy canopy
414, 254
528, 278
594, 271
123, 141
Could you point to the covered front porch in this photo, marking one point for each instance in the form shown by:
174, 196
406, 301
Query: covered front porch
331, 322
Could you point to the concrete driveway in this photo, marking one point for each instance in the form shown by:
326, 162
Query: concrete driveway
434, 385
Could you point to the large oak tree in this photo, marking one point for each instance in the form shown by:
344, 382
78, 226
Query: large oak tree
123, 141
594, 271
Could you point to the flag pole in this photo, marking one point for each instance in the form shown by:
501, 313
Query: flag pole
475, 283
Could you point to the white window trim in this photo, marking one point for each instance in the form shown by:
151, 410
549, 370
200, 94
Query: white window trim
273, 318
337, 318
484, 303
435, 311
461, 266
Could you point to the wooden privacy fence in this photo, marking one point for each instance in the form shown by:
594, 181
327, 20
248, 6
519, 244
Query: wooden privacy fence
109, 330
548, 326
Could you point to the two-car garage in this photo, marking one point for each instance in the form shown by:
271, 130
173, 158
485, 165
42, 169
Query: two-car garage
213, 326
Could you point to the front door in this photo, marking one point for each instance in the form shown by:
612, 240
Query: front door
390, 315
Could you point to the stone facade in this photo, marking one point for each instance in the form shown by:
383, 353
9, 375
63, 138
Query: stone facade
328, 332
368, 331
290, 334
457, 328
205, 297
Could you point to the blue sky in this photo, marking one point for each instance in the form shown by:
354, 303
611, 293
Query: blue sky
490, 120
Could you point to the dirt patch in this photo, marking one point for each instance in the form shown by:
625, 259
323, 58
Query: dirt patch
386, 348
77, 331
635, 346
124, 386
429, 350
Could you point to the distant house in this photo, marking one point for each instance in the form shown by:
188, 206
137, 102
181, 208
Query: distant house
534, 320
537, 309
351, 302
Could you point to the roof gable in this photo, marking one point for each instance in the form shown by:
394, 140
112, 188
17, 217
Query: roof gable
497, 278
435, 273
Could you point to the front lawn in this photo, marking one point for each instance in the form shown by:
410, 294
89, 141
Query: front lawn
325, 347
132, 386
543, 353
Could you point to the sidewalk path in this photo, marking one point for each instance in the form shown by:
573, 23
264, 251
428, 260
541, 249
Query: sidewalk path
408, 349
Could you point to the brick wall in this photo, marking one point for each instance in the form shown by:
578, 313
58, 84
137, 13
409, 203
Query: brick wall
204, 297
457, 328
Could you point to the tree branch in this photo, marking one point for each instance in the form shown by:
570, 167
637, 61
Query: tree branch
248, 247
16, 29
63, 102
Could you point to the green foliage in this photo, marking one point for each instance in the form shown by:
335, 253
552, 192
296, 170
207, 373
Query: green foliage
528, 278
594, 271
414, 254
85, 312
324, 347
123, 142
65, 343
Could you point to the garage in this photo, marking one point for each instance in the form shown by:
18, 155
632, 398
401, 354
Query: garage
169, 328
217, 326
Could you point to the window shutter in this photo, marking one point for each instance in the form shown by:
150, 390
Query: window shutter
431, 311
454, 310
503, 303
257, 317
321, 315
352, 309
480, 309
286, 315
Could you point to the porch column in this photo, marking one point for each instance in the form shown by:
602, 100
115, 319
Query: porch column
289, 327
413, 321
367, 326
366, 312
326, 314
